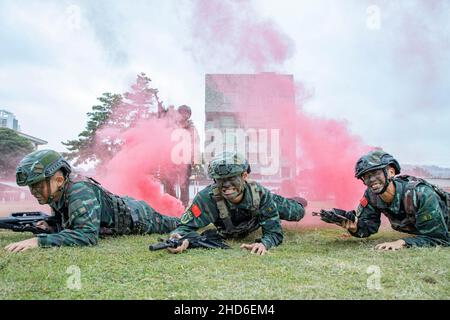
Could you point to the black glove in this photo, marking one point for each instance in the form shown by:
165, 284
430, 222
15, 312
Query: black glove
336, 216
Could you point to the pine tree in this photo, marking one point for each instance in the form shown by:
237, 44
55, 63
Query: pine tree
115, 112
85, 149
13, 148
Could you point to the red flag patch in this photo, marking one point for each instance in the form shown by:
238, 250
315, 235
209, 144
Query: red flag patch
364, 202
196, 211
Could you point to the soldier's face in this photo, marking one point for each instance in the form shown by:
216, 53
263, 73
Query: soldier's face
231, 187
39, 191
375, 180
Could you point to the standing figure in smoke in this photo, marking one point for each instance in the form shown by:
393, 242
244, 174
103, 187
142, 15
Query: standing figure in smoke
411, 204
238, 206
186, 123
84, 209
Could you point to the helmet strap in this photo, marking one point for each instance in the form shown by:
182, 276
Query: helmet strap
387, 181
241, 185
53, 195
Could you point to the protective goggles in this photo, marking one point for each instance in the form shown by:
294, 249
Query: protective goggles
21, 177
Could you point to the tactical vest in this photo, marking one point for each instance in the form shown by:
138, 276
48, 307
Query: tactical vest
125, 219
243, 228
410, 195
409, 202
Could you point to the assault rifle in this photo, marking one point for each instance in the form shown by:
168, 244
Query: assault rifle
336, 216
209, 239
26, 221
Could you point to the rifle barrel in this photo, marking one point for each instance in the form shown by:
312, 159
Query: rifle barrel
162, 245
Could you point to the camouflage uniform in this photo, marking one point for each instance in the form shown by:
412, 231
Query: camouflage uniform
418, 207
258, 208
86, 212
427, 219
84, 208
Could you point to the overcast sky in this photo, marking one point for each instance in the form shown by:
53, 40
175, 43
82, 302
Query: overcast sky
382, 66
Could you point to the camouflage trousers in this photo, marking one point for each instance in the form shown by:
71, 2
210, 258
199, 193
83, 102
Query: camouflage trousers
151, 221
289, 209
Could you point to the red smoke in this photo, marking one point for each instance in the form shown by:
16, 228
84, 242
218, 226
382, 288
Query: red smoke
327, 150
230, 33
138, 146
145, 152
329, 154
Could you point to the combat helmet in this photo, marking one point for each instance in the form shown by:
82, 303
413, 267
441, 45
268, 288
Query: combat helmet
40, 165
376, 159
185, 111
228, 164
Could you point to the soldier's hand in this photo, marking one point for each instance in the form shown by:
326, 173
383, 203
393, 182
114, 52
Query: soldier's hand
179, 249
325, 215
257, 248
43, 225
22, 245
350, 225
394, 245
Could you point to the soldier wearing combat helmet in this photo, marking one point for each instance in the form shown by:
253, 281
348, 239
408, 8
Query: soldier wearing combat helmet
83, 208
411, 204
238, 206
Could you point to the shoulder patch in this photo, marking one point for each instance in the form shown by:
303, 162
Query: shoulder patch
196, 211
359, 210
364, 202
186, 217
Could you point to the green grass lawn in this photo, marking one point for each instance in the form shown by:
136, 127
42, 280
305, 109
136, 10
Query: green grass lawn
311, 264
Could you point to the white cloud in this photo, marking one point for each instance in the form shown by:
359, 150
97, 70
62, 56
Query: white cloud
53, 69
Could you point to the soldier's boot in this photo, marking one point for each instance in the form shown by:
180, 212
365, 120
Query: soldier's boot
159, 223
300, 200
168, 224
290, 209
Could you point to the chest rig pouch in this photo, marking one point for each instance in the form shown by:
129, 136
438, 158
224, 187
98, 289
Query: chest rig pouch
406, 224
244, 228
125, 220
411, 195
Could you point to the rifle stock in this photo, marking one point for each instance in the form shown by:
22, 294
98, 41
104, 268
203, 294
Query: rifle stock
26, 222
209, 239
164, 244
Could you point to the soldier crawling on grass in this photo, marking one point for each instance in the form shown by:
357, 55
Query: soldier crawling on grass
84, 209
411, 204
238, 206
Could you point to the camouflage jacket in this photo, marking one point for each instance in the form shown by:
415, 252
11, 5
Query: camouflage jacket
204, 211
427, 216
86, 212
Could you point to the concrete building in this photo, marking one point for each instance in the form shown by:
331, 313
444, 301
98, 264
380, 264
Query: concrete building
8, 120
236, 117
10, 191
35, 141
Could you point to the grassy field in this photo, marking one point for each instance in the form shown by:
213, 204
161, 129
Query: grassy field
311, 264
